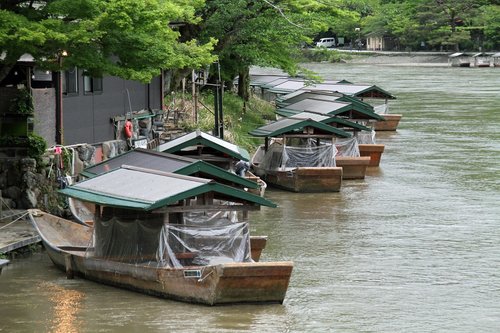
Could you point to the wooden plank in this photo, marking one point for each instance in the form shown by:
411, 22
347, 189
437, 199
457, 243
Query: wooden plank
181, 209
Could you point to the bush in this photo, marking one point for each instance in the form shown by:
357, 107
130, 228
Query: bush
36, 146
22, 103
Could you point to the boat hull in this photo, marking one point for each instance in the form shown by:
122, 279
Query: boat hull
327, 179
353, 167
215, 284
390, 123
374, 151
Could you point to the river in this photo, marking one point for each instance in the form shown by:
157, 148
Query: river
415, 247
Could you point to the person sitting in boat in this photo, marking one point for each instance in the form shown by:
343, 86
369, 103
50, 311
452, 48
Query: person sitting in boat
241, 167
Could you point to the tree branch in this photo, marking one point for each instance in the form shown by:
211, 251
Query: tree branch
283, 14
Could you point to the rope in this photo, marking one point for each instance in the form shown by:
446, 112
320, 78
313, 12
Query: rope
20, 217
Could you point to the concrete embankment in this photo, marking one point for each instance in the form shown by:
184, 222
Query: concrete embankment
16, 231
399, 58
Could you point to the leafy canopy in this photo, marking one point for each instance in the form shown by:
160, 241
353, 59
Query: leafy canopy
127, 38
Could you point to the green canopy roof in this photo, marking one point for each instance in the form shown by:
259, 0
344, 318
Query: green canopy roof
329, 120
146, 158
332, 108
144, 189
199, 138
295, 126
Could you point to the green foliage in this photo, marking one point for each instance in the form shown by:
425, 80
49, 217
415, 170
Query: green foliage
262, 33
36, 146
22, 103
239, 118
127, 38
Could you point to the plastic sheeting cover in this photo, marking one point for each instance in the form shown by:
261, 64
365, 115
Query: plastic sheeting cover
288, 157
199, 239
347, 147
366, 137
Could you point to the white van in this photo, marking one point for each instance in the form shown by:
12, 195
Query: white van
326, 42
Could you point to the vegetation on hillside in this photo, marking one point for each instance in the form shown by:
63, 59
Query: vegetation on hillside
240, 117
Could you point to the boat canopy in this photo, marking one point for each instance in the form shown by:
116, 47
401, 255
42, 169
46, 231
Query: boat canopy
146, 190
298, 126
331, 120
145, 158
139, 157
282, 157
301, 94
290, 85
199, 139
198, 240
356, 90
335, 108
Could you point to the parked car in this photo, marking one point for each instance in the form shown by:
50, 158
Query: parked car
326, 42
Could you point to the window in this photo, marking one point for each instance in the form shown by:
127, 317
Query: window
70, 81
92, 85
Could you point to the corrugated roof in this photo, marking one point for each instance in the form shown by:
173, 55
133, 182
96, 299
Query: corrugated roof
198, 137
145, 158
301, 94
143, 189
259, 80
139, 157
295, 126
332, 108
329, 120
207, 170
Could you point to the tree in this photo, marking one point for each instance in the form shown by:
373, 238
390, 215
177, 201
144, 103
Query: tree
126, 38
260, 33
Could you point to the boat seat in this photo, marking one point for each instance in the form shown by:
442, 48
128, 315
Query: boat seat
73, 248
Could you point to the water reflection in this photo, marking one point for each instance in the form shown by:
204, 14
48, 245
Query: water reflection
66, 304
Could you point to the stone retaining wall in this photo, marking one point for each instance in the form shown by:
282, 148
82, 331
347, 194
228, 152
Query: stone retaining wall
24, 184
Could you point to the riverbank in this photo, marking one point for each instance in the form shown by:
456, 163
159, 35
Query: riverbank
393, 58
399, 58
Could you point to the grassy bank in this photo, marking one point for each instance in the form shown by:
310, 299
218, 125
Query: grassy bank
239, 117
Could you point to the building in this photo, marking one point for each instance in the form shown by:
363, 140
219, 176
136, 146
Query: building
71, 107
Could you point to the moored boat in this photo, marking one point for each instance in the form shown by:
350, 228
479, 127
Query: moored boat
390, 123
374, 151
297, 161
184, 242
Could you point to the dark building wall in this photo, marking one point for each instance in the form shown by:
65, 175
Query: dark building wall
87, 117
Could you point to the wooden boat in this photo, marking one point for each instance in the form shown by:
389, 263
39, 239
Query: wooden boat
390, 123
210, 149
66, 244
305, 179
374, 151
353, 167
168, 235
3, 262
305, 168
